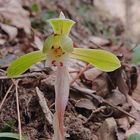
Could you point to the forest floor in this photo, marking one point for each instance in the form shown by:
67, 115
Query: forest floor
102, 106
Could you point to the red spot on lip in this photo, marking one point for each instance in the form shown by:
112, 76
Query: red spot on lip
53, 62
61, 64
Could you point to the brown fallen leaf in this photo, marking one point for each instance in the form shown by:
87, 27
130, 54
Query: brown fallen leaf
134, 103
100, 85
112, 8
118, 79
116, 98
92, 74
99, 41
85, 103
123, 123
135, 128
136, 92
38, 43
12, 12
2, 41
10, 30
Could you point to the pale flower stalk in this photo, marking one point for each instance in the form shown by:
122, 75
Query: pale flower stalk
61, 99
58, 46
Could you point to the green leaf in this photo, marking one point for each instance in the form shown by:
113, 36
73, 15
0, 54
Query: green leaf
67, 44
134, 137
61, 26
48, 43
101, 59
21, 64
35, 7
11, 135
136, 55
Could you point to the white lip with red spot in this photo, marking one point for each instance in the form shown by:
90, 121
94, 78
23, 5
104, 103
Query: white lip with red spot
57, 57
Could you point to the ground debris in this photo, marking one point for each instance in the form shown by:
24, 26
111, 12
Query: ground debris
107, 130
12, 10
76, 130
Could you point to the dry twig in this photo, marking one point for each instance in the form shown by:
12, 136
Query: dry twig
5, 96
35, 74
94, 112
18, 112
101, 100
79, 74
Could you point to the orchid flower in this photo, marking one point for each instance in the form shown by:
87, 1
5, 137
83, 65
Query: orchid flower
57, 50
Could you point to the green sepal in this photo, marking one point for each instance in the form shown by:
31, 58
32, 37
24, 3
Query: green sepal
48, 43
23, 63
56, 41
61, 26
101, 59
11, 135
67, 44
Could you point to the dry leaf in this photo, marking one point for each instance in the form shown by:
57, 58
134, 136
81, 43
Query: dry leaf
116, 98
135, 104
12, 12
92, 74
136, 92
123, 123
85, 103
38, 43
2, 41
100, 85
115, 8
99, 41
10, 30
135, 111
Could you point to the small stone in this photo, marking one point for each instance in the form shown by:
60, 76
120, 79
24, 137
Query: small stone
107, 129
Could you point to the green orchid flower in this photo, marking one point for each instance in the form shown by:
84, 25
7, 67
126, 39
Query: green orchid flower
57, 50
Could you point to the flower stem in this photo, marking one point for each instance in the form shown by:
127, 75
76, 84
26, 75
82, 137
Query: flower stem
61, 99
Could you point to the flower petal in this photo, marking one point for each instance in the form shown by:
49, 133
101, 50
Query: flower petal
66, 44
61, 26
101, 59
21, 64
48, 43
61, 99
